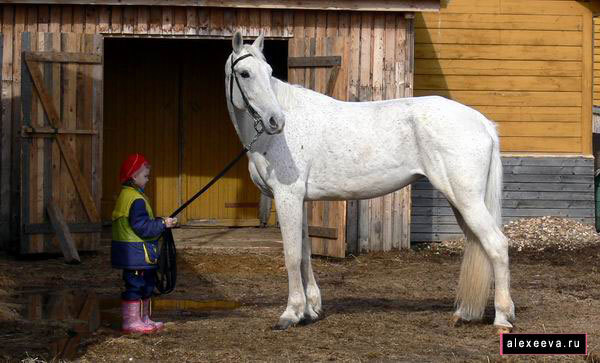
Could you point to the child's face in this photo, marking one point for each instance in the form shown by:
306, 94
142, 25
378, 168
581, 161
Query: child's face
141, 177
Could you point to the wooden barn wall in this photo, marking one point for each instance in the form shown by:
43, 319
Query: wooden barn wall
109, 20
377, 65
524, 64
533, 187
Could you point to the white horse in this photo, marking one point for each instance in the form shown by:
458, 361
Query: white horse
319, 148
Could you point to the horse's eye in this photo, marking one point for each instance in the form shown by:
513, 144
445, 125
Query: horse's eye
245, 74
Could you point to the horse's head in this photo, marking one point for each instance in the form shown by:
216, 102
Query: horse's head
249, 84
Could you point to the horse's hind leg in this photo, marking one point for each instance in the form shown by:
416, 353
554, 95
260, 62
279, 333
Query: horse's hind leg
289, 212
483, 226
313, 295
475, 276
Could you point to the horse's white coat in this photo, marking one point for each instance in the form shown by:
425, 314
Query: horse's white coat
332, 150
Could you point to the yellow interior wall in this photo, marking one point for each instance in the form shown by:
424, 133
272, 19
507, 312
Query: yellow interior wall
168, 103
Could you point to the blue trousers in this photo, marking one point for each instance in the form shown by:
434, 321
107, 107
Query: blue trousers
139, 284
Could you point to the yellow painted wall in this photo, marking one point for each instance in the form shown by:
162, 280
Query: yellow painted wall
597, 61
527, 65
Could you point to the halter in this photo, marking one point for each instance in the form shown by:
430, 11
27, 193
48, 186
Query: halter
258, 123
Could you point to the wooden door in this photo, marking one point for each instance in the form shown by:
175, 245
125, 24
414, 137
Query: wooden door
320, 64
61, 140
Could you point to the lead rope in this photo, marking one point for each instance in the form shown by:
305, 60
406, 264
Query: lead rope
167, 261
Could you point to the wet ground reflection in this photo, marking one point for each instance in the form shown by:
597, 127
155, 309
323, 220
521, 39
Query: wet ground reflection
82, 312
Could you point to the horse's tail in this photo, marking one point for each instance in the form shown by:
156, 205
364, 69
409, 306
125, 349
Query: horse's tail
476, 270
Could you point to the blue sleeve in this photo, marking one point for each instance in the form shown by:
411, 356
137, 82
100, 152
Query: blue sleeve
141, 223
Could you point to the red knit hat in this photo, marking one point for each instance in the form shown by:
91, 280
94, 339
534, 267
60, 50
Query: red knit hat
131, 165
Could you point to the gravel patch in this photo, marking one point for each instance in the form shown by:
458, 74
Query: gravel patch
541, 234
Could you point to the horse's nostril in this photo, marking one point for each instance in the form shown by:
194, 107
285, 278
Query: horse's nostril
272, 122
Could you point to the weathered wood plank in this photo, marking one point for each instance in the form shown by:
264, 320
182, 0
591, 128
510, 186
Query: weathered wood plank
62, 57
315, 61
143, 16
91, 19
129, 20
61, 229
179, 21
352, 5
19, 27
541, 187
323, 232
44, 228
168, 15
514, 204
521, 212
6, 47
116, 24
191, 24
78, 19
104, 19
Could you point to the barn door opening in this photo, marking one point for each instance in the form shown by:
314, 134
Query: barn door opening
316, 63
166, 99
61, 141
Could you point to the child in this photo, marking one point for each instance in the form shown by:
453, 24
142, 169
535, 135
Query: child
134, 247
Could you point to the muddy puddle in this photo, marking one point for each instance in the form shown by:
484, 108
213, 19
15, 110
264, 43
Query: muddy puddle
73, 315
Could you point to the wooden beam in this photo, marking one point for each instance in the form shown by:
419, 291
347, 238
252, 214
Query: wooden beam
65, 148
319, 61
323, 232
61, 57
332, 79
67, 245
340, 5
242, 205
43, 228
27, 131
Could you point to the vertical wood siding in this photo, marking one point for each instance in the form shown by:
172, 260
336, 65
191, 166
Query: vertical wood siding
376, 64
74, 89
376, 50
525, 65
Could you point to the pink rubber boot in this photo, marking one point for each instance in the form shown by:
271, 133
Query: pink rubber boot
132, 322
147, 312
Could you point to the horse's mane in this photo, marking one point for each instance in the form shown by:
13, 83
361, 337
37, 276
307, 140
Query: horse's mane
288, 95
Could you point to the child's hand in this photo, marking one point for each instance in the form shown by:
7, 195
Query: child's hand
170, 222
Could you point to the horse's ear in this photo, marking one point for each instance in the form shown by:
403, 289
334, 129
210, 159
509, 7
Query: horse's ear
259, 43
237, 42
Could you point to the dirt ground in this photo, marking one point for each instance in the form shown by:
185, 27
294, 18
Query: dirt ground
391, 306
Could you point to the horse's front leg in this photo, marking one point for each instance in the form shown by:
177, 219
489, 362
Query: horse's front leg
289, 212
311, 289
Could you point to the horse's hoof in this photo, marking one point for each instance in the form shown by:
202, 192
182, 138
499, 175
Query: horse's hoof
503, 329
455, 321
307, 319
284, 324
